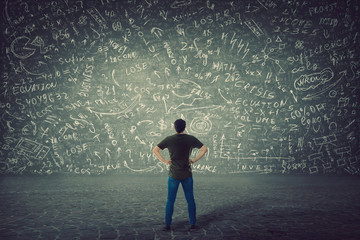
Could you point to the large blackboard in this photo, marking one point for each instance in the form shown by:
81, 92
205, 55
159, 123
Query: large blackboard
269, 86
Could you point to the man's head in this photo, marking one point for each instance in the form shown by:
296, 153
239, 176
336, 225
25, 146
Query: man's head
179, 125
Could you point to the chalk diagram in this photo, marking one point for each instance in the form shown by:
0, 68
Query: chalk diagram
117, 112
266, 54
317, 83
189, 87
24, 48
200, 125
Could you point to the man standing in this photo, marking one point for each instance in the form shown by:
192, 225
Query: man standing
180, 146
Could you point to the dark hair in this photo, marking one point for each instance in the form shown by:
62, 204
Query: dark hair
179, 125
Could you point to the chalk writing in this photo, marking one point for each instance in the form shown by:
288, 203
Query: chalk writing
90, 87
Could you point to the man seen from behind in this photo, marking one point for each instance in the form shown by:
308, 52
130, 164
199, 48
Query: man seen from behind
180, 146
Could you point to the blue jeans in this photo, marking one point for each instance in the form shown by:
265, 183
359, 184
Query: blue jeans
173, 186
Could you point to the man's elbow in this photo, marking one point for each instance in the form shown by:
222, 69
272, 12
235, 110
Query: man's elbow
204, 149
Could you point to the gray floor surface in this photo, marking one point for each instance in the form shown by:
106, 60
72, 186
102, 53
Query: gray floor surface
131, 206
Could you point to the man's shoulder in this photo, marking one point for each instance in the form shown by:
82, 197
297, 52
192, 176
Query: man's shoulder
195, 141
170, 137
183, 136
191, 136
188, 136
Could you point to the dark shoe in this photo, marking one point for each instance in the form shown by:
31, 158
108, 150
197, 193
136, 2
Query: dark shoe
193, 227
167, 228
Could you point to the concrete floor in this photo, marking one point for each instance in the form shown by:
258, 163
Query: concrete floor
132, 207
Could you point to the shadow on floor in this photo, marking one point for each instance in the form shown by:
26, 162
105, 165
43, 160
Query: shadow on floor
217, 215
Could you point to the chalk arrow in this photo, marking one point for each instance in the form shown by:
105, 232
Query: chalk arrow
113, 77
141, 141
157, 73
149, 122
118, 150
135, 100
227, 101
188, 81
107, 151
97, 154
223, 137
139, 170
180, 3
186, 96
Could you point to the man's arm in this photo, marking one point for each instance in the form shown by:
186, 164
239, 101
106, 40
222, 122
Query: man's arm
201, 153
158, 154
